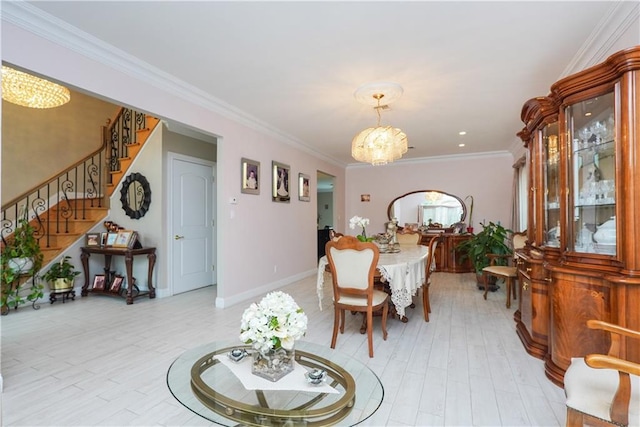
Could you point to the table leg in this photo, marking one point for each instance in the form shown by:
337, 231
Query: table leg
152, 261
128, 262
84, 258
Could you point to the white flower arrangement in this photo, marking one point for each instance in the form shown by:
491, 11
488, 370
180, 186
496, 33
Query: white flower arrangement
357, 221
276, 321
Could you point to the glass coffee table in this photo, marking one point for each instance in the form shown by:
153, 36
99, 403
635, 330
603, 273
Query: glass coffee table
208, 388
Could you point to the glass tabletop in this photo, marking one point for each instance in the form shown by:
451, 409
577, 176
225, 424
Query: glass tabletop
225, 401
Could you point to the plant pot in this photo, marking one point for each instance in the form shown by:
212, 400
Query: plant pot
61, 285
20, 265
470, 230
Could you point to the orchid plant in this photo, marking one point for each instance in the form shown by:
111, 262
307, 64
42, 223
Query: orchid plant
360, 222
275, 322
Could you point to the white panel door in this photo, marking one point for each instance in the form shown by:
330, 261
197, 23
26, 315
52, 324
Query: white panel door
192, 201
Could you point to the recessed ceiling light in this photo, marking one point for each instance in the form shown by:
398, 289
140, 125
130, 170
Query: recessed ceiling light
462, 133
587, 114
460, 145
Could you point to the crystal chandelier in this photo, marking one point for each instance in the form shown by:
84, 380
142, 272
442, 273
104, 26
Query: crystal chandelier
30, 91
381, 144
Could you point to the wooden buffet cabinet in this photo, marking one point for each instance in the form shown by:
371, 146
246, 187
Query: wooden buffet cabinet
582, 258
447, 257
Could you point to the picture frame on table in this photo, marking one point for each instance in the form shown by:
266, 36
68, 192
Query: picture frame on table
98, 282
93, 239
281, 182
250, 176
303, 187
103, 239
122, 238
111, 238
116, 284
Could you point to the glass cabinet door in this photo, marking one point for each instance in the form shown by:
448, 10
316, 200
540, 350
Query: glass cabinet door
551, 176
591, 126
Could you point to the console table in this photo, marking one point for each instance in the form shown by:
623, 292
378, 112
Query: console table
128, 255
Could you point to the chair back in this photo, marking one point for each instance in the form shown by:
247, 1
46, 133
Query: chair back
518, 240
353, 264
431, 259
408, 238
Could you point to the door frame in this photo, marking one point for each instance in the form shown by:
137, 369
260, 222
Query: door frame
171, 156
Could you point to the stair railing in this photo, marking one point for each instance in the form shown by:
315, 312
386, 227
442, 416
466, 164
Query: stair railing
67, 195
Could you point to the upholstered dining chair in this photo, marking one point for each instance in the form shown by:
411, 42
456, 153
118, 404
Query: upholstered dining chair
430, 266
353, 265
604, 389
507, 272
408, 238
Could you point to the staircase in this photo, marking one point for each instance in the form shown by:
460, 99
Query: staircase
65, 207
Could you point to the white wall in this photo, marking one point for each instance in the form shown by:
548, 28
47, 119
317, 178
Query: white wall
280, 235
488, 178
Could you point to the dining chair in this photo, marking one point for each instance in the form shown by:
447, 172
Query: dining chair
408, 237
507, 272
353, 265
430, 266
604, 390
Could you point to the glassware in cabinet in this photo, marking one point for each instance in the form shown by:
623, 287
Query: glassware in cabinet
551, 177
591, 126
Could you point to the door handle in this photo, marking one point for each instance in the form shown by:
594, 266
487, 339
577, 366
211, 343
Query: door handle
178, 237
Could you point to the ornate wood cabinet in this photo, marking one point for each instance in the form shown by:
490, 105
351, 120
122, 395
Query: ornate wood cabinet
447, 257
582, 258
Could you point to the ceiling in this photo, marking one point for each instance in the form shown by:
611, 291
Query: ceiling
294, 66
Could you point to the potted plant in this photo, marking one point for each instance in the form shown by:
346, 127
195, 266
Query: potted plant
491, 240
21, 257
61, 275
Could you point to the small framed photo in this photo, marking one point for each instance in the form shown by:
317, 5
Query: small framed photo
116, 285
111, 239
365, 197
98, 282
280, 182
250, 176
103, 239
122, 238
93, 239
303, 187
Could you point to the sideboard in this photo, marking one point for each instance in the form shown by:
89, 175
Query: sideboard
447, 256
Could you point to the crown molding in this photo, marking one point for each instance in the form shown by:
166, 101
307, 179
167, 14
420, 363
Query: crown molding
434, 159
55, 30
620, 17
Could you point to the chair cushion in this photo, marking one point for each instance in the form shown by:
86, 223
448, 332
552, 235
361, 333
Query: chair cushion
501, 270
378, 298
591, 391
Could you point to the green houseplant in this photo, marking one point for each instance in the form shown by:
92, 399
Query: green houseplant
491, 240
20, 257
61, 275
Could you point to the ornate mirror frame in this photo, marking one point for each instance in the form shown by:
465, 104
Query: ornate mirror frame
135, 195
390, 213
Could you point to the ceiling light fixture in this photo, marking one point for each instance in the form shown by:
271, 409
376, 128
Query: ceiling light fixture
31, 91
382, 144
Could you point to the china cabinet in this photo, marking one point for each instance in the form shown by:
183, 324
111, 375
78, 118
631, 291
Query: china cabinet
582, 258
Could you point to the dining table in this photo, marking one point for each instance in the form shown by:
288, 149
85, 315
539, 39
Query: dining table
404, 271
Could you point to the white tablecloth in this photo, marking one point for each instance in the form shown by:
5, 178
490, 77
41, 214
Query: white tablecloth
404, 271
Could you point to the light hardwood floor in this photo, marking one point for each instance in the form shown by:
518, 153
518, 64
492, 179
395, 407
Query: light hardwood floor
97, 361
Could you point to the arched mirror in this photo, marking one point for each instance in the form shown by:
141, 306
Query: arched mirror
135, 195
427, 206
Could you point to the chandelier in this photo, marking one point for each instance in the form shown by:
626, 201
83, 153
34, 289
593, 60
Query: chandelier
381, 144
31, 91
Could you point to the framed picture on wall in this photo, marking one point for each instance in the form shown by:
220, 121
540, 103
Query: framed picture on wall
250, 170
303, 187
281, 182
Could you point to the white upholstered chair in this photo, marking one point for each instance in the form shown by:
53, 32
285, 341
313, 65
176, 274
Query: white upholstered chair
604, 389
353, 265
507, 272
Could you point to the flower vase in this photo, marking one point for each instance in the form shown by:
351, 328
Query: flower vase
273, 364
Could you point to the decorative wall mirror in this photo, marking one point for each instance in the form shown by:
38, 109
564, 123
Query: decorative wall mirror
135, 195
425, 206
